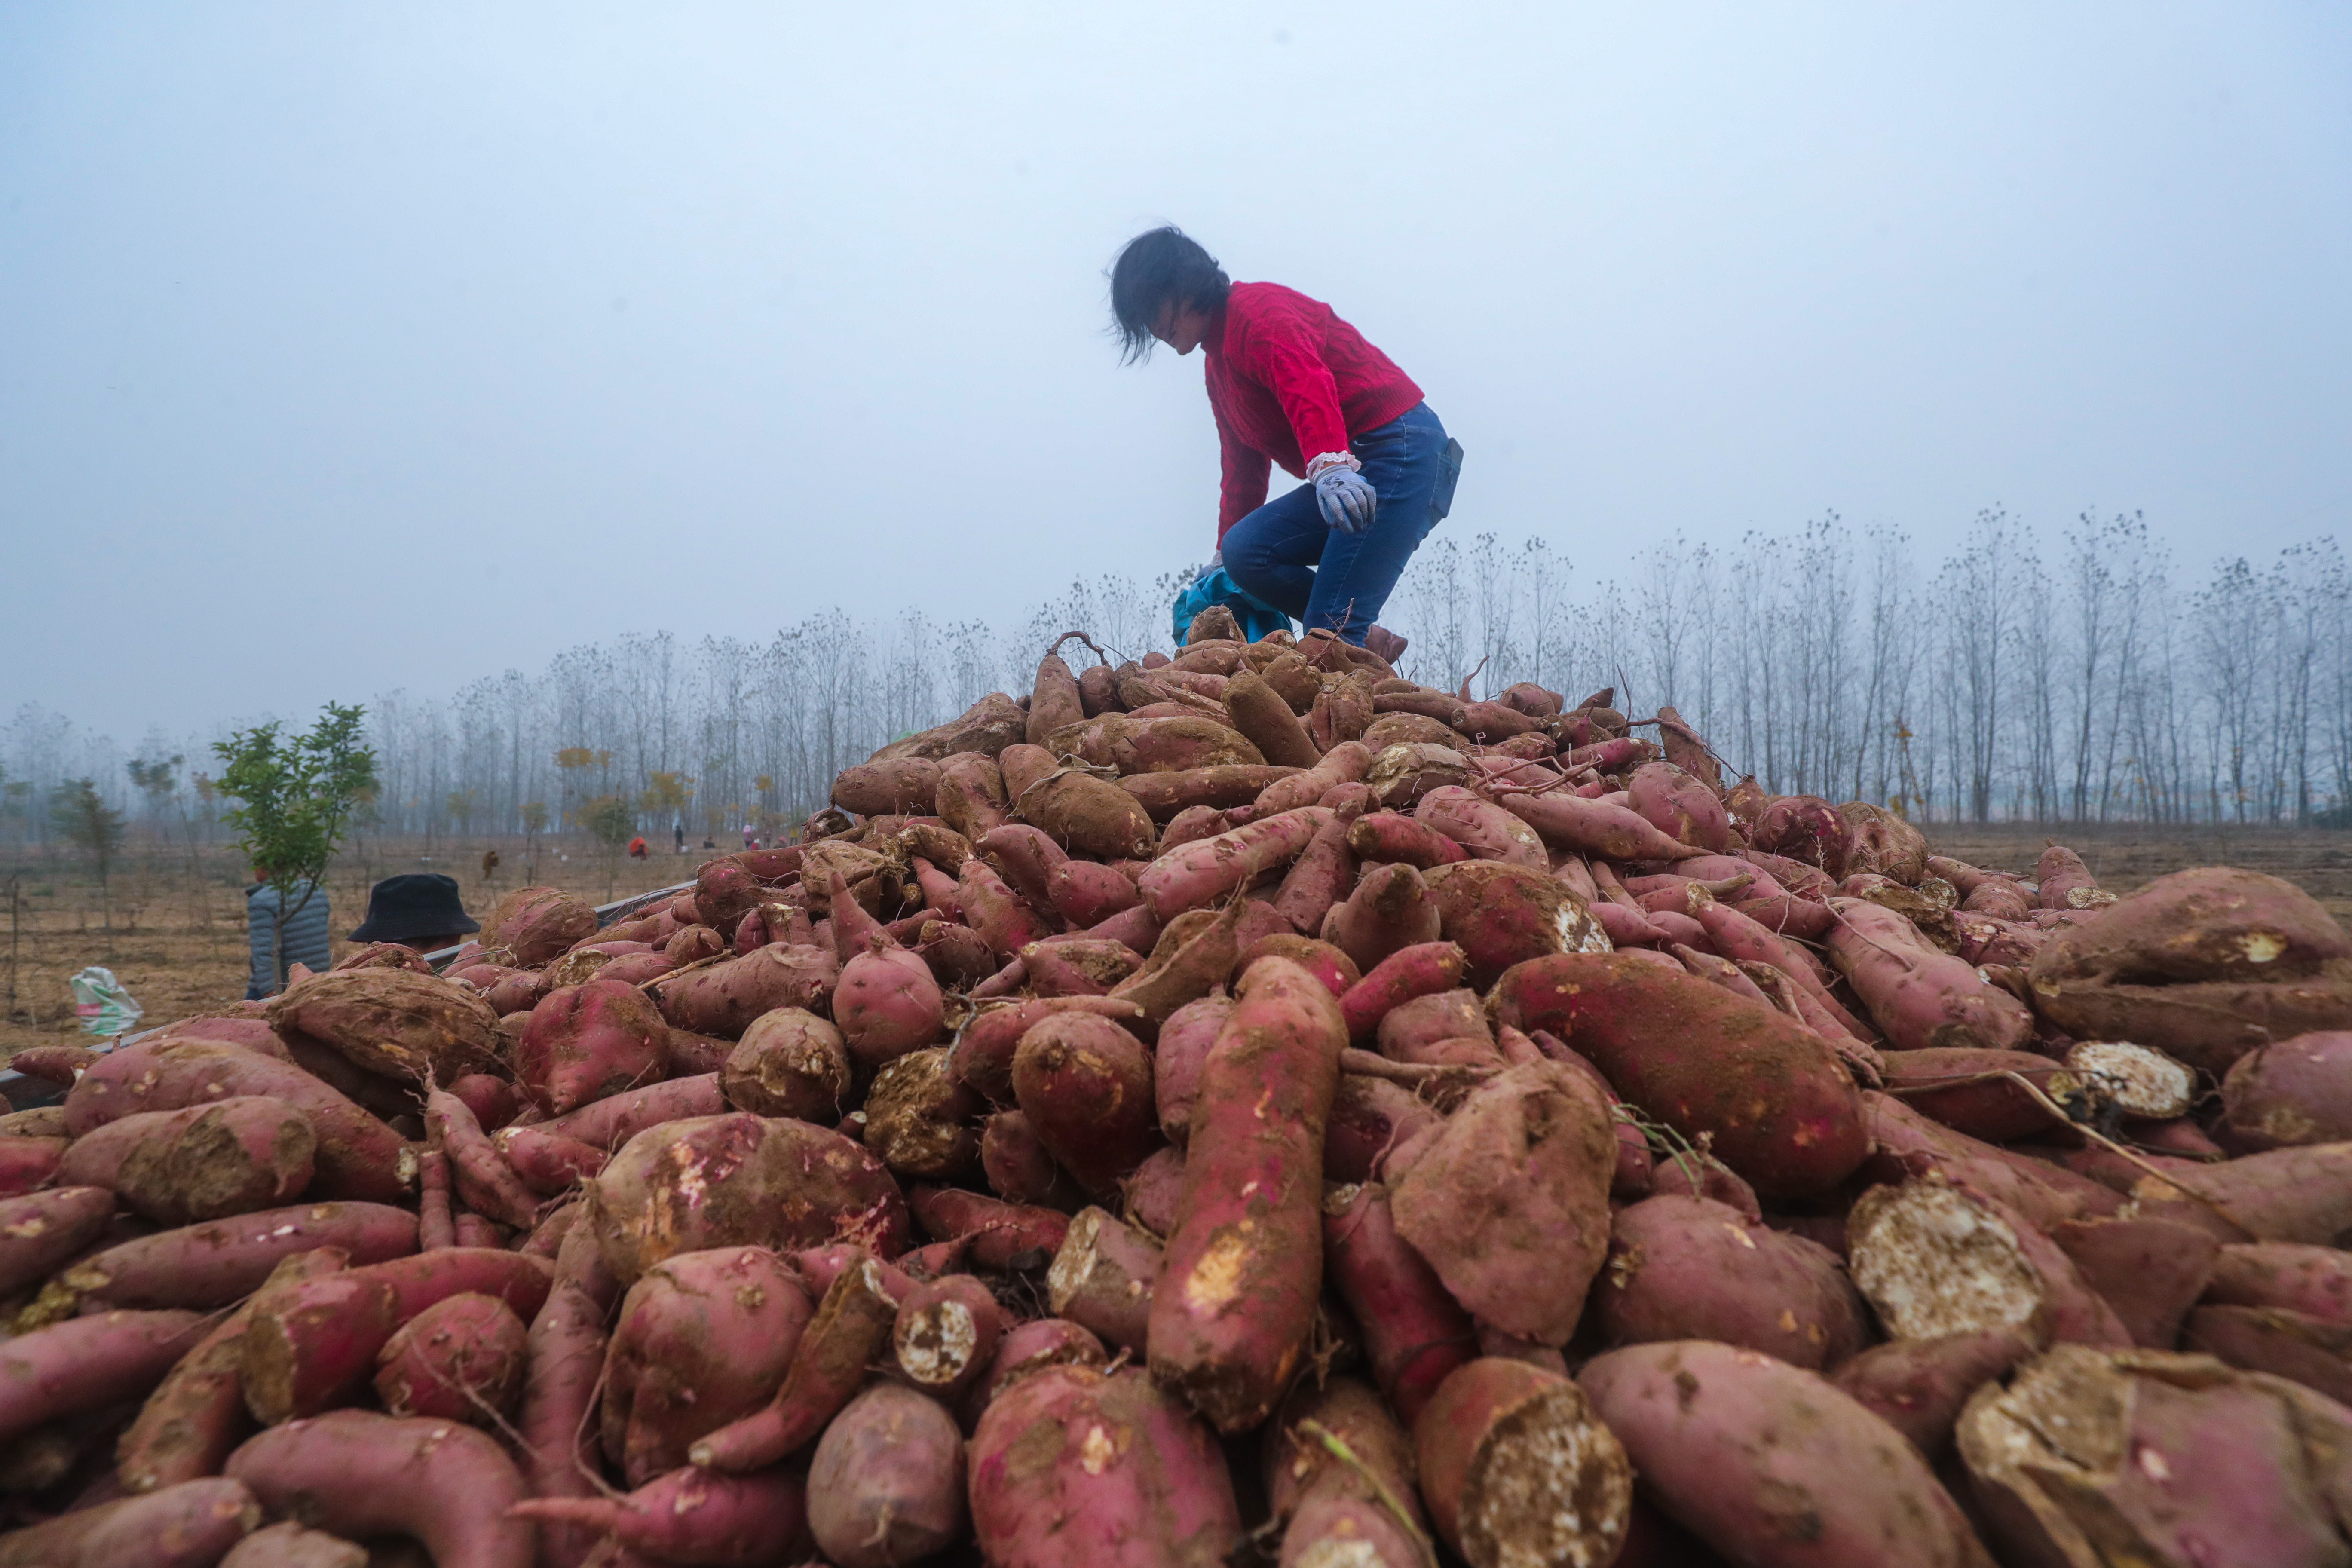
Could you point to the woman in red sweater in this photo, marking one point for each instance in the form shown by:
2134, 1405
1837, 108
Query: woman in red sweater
1290, 382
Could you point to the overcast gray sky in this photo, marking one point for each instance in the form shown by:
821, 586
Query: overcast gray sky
351, 346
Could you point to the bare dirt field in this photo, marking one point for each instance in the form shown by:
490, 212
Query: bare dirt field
178, 942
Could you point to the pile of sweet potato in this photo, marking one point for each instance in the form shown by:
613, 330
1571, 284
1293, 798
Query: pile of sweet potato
1245, 1105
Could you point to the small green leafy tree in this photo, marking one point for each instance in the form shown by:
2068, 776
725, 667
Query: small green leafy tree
610, 820
296, 796
159, 780
83, 819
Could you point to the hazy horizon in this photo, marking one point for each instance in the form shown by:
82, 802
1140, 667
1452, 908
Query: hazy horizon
348, 349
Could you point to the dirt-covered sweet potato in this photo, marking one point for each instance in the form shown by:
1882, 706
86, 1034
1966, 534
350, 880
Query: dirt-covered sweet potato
81, 1363
723, 999
1414, 1333
946, 1333
1778, 1106
2151, 1270
1392, 909
1595, 828
1508, 1201
584, 1042
1517, 1469
358, 1474
1193, 956
2291, 1091
356, 1156
1417, 970
1690, 1269
1483, 828
1500, 914
395, 1022
1679, 806
2092, 1458
1088, 816
204, 1161
536, 924
983, 1054
1047, 1447
1206, 869
703, 1339
1921, 996
850, 1331
461, 1359
1919, 1386
1934, 1259
190, 1525
740, 1180
1236, 1300
790, 1063
2205, 964
920, 1120
1086, 1086
1340, 1479
689, 1516
1102, 1277
899, 784
1771, 1465
39, 1231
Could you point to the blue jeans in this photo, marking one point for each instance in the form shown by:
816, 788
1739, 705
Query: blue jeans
1286, 555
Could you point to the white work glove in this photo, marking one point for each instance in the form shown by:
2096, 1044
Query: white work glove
1344, 497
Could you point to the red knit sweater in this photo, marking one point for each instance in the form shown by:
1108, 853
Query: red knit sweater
1289, 381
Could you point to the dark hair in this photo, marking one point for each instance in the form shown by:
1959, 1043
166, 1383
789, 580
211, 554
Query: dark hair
1156, 267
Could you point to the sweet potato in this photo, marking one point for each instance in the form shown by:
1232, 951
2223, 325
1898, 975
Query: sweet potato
395, 1022
740, 1180
1422, 1029
1220, 788
1032, 1347
1516, 1469
1370, 1119
1689, 1268
2066, 883
2143, 1457
42, 1230
1393, 909
357, 1156
1005, 1236
1086, 1086
2204, 965
900, 785
851, 1329
1500, 914
2149, 1270
691, 1516
83, 1363
1934, 1259
584, 1042
204, 1161
536, 924
1780, 1108
1049, 1446
1965, 1087
186, 1526
1335, 969
1362, 1508
1415, 1334
917, 1119
970, 797
946, 1333
1198, 873
547, 1163
1183, 1051
461, 1359
1485, 830
1517, 1179
357, 1474
1261, 713
1417, 970
983, 1054
703, 1340
1679, 806
1194, 955
1918, 1386
1922, 997
2289, 1093
1085, 893
723, 999
288, 1545
1153, 1199
1325, 872
1593, 827
1102, 1277
2306, 1350
208, 1265
1018, 1167
1344, 761
610, 1123
987, 727
1078, 966
2315, 1281
567, 1349
1244, 1265
1761, 1461
1088, 816
791, 1063
1389, 837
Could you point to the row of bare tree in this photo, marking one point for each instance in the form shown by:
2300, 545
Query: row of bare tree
2082, 678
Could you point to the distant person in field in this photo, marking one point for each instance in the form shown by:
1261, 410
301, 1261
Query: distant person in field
307, 941
418, 910
637, 850
1290, 382
679, 830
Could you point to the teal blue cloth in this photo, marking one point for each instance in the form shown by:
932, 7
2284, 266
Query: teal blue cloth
1213, 587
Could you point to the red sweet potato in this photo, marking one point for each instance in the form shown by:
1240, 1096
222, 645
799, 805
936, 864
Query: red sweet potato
1102, 1277
1934, 1259
1244, 1267
899, 784
1483, 829
1689, 1268
42, 1230
567, 1362
691, 1516
1325, 872
1500, 914
1921, 997
1393, 909
1594, 827
395, 1022
740, 1180
1780, 1108
1086, 1086
1153, 1198
356, 1155
1345, 762
1415, 1334
946, 1334
548, 1163
983, 1054
1679, 806
703, 1339
1019, 1169
2288, 1093
204, 1161
84, 1363
1762, 1461
610, 1123
791, 1063
2315, 1281
851, 1330
584, 1042
1362, 1508
1918, 1386
186, 1526
358, 1474
1184, 1050
1005, 1236
723, 999
1392, 838
461, 1359
969, 795
1045, 1449
2149, 1270
1202, 871
1417, 970
1032, 1347
209, 1266
1194, 955
1516, 1469
1090, 816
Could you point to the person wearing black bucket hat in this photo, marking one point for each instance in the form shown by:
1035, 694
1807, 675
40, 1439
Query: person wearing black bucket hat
418, 910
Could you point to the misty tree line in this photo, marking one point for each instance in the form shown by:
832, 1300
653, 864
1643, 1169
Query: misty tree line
2080, 678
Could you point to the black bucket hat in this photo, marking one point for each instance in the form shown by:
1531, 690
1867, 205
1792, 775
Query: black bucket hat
414, 904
